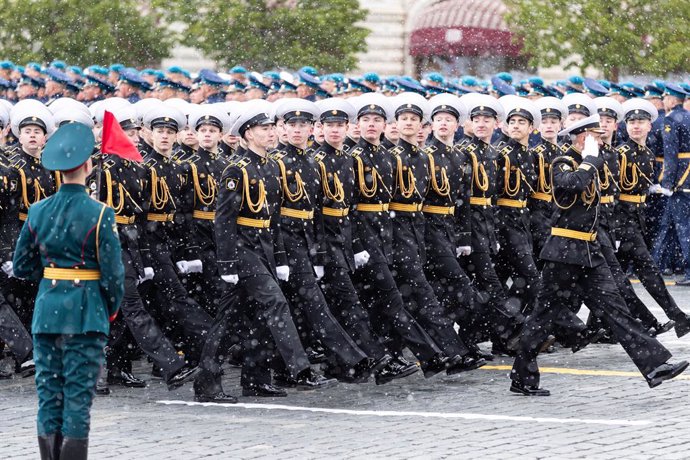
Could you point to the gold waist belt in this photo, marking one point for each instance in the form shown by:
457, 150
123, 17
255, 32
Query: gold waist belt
511, 203
405, 207
204, 215
542, 196
124, 220
333, 212
297, 213
256, 223
71, 274
155, 217
574, 234
479, 201
444, 210
633, 198
608, 199
372, 207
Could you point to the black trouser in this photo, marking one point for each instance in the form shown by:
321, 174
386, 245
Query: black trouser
143, 328
564, 286
517, 263
20, 294
311, 310
378, 290
633, 251
12, 331
180, 308
496, 316
258, 300
345, 305
420, 300
206, 287
453, 289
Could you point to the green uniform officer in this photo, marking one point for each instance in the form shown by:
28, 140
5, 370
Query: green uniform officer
69, 242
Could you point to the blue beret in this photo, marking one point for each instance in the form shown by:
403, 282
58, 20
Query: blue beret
133, 78
58, 65
436, 77
576, 80
371, 77
521, 91
6, 65
238, 69
675, 90
179, 70
98, 70
75, 69
536, 81
594, 88
411, 85
272, 75
57, 76
308, 79
309, 70
605, 83
209, 77
116, 68
34, 66
505, 76
469, 81
336, 77
501, 87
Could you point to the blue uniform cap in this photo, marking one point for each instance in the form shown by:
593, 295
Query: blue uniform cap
116, 68
5, 65
522, 91
308, 79
501, 87
576, 80
541, 90
272, 75
594, 88
506, 77
287, 87
69, 147
236, 87
57, 76
676, 90
101, 83
167, 83
255, 83
686, 87
355, 85
536, 81
389, 85
653, 92
309, 70
371, 77
436, 78
238, 69
35, 82
133, 78
209, 77
411, 85
98, 70
618, 89
60, 65
637, 91
605, 83
469, 81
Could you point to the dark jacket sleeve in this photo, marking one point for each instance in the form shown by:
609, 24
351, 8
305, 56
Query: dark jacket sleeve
227, 210
27, 258
576, 180
463, 221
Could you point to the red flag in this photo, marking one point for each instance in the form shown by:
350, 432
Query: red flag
114, 141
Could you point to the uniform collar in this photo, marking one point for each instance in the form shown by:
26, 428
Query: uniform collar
296, 150
259, 158
72, 188
368, 145
408, 146
329, 149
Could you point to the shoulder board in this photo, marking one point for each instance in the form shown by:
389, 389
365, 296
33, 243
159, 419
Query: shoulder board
17, 162
277, 155
319, 156
241, 162
310, 151
470, 147
541, 148
346, 148
569, 162
429, 149
107, 164
564, 147
506, 150
193, 158
10, 151
150, 163
356, 152
397, 150
625, 148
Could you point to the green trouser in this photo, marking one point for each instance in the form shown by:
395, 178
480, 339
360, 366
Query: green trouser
66, 372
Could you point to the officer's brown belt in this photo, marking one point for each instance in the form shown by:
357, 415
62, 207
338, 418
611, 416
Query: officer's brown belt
573, 234
71, 274
479, 201
366, 207
204, 215
444, 210
124, 220
405, 207
297, 213
256, 223
333, 212
608, 199
633, 198
542, 196
511, 203
155, 217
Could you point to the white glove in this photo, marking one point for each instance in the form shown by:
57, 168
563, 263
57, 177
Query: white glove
591, 147
655, 188
498, 246
283, 272
7, 267
361, 259
318, 270
182, 266
463, 250
618, 245
230, 279
148, 273
195, 266
665, 191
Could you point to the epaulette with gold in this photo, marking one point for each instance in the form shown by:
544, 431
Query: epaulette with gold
150, 163
506, 150
470, 147
429, 149
624, 148
565, 147
193, 158
356, 152
17, 162
539, 149
107, 164
11, 151
397, 151
277, 155
240, 162
319, 156
570, 162
346, 148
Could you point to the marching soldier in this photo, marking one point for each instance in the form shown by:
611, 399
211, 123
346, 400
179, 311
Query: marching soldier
76, 258
251, 260
636, 173
301, 225
575, 265
374, 180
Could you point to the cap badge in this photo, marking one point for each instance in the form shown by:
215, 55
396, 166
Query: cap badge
372, 106
334, 112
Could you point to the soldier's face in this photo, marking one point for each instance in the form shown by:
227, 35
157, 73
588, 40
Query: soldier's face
392, 132
572, 118
187, 137
670, 102
519, 128
318, 132
354, 132
298, 132
609, 124
444, 125
549, 128
163, 139
409, 124
208, 136
334, 132
371, 127
638, 130
133, 135
262, 136
423, 134
32, 138
483, 126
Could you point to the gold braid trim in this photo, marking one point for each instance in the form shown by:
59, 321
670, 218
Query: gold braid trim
544, 186
205, 198
160, 193
477, 169
628, 183
256, 206
368, 192
444, 188
339, 195
506, 178
406, 192
299, 189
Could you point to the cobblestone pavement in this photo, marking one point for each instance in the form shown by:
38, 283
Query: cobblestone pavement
593, 412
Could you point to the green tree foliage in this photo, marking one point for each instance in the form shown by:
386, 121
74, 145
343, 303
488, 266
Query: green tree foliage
265, 34
634, 36
82, 32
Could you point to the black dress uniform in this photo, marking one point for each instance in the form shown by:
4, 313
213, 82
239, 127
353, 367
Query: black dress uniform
250, 245
575, 265
169, 229
516, 180
491, 304
636, 173
412, 179
338, 182
374, 181
539, 202
301, 226
448, 226
206, 169
124, 187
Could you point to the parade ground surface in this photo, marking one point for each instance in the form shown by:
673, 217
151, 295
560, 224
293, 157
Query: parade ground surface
600, 408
